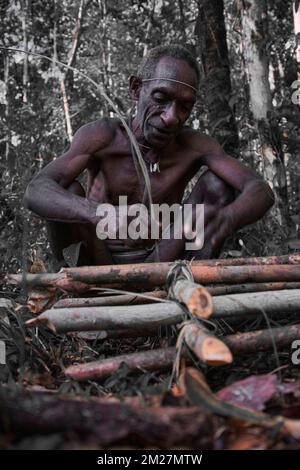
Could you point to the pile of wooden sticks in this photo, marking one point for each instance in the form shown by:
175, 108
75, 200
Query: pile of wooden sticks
221, 290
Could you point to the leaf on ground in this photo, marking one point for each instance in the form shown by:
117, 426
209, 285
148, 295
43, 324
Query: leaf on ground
255, 391
252, 392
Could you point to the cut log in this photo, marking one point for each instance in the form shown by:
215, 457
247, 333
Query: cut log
253, 287
195, 297
209, 349
151, 275
156, 359
242, 343
108, 424
273, 302
293, 258
134, 317
123, 299
262, 340
152, 316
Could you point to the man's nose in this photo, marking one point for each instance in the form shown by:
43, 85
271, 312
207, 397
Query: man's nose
170, 116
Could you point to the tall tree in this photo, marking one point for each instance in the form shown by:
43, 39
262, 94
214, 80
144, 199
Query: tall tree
211, 31
255, 36
296, 10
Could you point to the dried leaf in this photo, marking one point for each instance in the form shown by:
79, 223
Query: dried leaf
252, 392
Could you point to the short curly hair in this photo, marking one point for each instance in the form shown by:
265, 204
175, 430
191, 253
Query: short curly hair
176, 51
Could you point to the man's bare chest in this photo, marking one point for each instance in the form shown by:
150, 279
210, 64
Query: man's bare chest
118, 175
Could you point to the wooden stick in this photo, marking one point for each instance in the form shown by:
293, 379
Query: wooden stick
262, 340
123, 299
101, 422
273, 302
242, 343
194, 296
148, 316
151, 316
252, 287
209, 349
156, 359
293, 258
155, 274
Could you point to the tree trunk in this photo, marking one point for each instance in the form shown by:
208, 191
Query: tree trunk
255, 35
25, 47
296, 11
210, 29
71, 61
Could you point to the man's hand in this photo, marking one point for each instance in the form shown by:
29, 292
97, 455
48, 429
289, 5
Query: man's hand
220, 227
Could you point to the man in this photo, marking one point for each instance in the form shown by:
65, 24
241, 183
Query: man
165, 91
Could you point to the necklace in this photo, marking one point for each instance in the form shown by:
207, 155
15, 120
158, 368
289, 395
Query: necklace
153, 166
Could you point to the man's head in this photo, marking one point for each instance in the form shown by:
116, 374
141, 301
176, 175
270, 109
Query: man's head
165, 89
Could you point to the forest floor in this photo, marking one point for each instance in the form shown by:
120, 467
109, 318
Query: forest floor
41, 408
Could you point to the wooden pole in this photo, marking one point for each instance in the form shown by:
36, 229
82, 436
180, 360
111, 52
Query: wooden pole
134, 317
273, 302
151, 316
123, 299
262, 340
155, 274
242, 343
251, 287
155, 359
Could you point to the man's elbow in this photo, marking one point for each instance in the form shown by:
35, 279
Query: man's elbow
30, 196
265, 195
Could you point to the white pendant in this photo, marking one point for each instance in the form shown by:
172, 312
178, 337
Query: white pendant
154, 167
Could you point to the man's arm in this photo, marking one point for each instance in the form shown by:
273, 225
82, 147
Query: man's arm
254, 198
46, 194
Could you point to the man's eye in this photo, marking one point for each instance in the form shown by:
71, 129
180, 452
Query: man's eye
160, 98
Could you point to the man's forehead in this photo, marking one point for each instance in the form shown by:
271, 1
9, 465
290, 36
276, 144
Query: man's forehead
170, 72
177, 69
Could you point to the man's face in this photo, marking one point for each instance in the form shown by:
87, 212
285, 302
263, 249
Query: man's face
163, 105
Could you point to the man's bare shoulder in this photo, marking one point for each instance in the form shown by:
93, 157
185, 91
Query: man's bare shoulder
199, 143
95, 135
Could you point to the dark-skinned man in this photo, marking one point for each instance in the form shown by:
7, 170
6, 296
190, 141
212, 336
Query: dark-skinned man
165, 91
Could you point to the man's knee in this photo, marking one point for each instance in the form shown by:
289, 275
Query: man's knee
216, 191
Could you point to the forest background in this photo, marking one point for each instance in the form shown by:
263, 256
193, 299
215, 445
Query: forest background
249, 55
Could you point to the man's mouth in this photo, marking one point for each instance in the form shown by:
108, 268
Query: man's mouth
162, 132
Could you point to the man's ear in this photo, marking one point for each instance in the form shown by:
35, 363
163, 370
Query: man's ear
135, 85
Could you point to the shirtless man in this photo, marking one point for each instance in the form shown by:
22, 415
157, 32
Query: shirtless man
165, 90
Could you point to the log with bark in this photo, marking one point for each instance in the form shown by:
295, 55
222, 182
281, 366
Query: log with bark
251, 287
133, 317
108, 424
152, 316
153, 275
136, 298
241, 343
123, 299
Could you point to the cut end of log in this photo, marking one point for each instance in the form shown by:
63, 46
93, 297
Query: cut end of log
200, 303
215, 352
